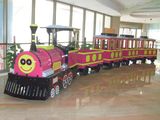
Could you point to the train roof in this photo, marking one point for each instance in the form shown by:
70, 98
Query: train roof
122, 37
104, 36
61, 28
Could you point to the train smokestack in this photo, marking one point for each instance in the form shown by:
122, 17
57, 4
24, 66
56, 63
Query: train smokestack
33, 37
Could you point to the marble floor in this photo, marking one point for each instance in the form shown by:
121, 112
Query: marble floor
126, 93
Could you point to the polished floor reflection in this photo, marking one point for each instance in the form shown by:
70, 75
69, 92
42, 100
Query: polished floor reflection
126, 93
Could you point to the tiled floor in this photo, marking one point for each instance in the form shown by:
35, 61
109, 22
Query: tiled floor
126, 93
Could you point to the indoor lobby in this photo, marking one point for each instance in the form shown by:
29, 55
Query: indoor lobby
115, 91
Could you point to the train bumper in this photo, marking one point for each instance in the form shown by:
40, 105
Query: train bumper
27, 87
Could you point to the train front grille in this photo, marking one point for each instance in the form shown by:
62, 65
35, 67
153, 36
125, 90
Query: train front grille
27, 87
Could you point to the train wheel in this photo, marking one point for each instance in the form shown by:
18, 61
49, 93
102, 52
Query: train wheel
117, 64
108, 65
152, 60
83, 71
57, 89
64, 81
97, 68
74, 71
53, 93
143, 60
134, 61
127, 62
70, 78
123, 63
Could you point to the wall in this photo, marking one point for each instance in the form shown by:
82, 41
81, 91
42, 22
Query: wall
131, 25
115, 24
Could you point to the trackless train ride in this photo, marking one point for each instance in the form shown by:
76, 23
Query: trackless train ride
44, 70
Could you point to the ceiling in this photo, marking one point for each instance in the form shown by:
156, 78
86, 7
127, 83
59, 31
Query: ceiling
141, 11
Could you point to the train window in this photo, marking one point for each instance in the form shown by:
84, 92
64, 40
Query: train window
139, 44
130, 44
97, 44
105, 44
117, 44
112, 44
145, 44
134, 44
124, 44
121, 43
150, 44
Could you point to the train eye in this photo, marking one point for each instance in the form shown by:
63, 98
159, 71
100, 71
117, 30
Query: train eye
29, 62
22, 61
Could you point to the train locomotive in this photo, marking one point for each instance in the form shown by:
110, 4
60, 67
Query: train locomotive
44, 70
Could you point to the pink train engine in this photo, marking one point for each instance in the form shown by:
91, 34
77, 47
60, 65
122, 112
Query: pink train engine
42, 71
34, 64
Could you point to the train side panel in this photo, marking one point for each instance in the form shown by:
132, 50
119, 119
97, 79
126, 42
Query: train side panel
89, 58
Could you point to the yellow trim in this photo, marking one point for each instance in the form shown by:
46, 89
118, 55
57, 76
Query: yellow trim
127, 49
73, 51
129, 56
82, 53
50, 47
112, 59
84, 64
100, 50
112, 50
73, 65
148, 55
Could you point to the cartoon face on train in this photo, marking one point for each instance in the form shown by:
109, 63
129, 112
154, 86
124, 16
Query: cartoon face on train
26, 64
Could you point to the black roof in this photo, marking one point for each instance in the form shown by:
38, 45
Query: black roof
60, 28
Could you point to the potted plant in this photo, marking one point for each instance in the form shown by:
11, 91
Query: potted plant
11, 53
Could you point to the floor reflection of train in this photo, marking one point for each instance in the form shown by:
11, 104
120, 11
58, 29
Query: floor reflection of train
109, 87
45, 70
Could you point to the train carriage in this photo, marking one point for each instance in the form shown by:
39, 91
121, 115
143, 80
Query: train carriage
147, 49
129, 49
110, 45
89, 59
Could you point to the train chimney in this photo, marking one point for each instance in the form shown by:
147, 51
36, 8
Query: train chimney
33, 37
